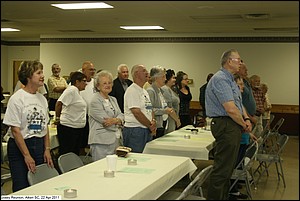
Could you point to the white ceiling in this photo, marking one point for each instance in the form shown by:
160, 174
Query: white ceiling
38, 19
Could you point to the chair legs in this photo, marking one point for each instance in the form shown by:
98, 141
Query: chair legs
246, 177
248, 188
266, 166
280, 173
261, 169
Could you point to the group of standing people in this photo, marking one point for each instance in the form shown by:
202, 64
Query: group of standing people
152, 112
236, 104
103, 113
91, 110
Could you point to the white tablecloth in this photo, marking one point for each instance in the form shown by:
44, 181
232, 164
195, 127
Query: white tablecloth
175, 144
53, 137
150, 178
53, 141
4, 152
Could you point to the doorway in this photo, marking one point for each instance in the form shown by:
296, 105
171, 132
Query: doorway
16, 65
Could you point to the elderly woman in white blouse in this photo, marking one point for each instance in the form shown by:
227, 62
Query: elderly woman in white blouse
160, 107
105, 118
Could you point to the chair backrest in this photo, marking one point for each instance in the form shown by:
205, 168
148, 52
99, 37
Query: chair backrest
196, 183
280, 144
267, 129
262, 141
43, 172
277, 126
68, 162
249, 156
272, 116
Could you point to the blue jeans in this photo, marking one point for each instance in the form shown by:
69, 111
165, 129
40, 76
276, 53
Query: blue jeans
17, 165
136, 138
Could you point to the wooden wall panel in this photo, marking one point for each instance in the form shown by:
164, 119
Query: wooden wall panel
289, 112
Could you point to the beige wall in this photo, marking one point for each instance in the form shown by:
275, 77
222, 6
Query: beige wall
276, 63
10, 54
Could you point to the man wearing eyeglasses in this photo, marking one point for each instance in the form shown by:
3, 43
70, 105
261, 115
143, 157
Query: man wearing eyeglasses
229, 119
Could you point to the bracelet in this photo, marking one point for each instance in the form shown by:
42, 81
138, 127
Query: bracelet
57, 118
247, 119
48, 148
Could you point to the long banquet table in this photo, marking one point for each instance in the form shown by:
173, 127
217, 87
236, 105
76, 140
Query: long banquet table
53, 141
150, 178
177, 143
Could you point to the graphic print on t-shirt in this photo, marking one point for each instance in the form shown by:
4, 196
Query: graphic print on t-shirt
36, 121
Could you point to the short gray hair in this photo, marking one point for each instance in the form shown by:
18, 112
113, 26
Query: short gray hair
120, 66
98, 76
157, 71
226, 55
135, 68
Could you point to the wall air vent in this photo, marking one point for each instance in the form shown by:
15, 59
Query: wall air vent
256, 16
214, 18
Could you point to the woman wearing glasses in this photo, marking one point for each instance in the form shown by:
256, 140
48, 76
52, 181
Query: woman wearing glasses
70, 112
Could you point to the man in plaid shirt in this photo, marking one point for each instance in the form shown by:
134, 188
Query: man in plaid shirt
260, 99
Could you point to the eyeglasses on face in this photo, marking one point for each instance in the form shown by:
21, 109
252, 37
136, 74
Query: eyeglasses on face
236, 59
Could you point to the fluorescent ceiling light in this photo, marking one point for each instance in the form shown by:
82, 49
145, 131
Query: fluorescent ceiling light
8, 29
69, 6
141, 27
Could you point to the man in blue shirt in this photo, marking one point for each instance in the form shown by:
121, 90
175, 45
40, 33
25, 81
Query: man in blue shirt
223, 102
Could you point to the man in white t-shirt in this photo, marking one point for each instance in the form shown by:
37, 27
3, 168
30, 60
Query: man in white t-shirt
140, 124
89, 70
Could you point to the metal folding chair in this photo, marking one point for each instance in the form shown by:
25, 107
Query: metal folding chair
193, 191
274, 156
243, 170
68, 162
43, 172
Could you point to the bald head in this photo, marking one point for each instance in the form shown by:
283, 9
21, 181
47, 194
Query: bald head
243, 72
88, 69
139, 74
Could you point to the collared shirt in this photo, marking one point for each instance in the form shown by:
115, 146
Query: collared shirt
124, 84
248, 98
260, 99
221, 89
55, 82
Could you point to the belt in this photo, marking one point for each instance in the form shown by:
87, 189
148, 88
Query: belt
220, 117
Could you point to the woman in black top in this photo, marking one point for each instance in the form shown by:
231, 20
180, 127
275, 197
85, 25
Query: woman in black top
185, 97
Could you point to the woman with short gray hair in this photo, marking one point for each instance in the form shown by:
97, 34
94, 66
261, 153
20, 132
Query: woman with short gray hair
160, 107
105, 118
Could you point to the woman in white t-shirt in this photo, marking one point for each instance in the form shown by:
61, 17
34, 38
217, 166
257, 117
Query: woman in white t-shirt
27, 118
70, 113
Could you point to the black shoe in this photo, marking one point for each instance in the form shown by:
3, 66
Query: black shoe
232, 197
238, 195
